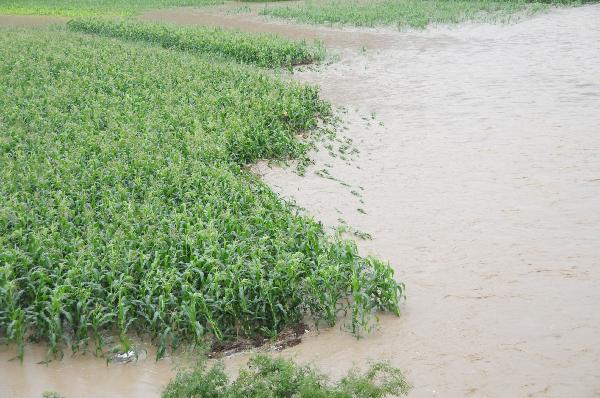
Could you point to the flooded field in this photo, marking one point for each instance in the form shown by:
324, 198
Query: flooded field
479, 169
82, 375
225, 16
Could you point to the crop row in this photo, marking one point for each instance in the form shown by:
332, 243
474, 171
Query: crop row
266, 50
125, 204
93, 7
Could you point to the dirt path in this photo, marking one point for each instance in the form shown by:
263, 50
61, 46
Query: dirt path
480, 173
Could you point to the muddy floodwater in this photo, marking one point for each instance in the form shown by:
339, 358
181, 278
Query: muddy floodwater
28, 20
81, 376
479, 169
482, 189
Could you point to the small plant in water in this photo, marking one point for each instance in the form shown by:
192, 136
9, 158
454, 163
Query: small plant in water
267, 377
51, 394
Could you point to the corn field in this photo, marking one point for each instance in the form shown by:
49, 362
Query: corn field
126, 206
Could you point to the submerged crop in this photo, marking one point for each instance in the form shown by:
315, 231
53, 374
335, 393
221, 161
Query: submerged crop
126, 206
265, 50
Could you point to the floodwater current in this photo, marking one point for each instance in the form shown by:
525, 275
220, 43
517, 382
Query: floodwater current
479, 169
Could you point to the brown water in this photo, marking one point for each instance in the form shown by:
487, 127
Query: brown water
28, 20
481, 187
82, 375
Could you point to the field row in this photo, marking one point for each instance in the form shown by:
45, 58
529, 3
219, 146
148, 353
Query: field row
261, 50
410, 13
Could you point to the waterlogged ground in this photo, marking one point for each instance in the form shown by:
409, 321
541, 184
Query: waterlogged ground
480, 175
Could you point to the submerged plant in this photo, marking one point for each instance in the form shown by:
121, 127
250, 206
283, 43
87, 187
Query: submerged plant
51, 394
267, 377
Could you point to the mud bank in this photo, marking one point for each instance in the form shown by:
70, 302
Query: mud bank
480, 175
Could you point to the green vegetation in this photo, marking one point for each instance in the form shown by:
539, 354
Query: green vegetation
75, 8
408, 13
51, 394
276, 378
262, 50
126, 205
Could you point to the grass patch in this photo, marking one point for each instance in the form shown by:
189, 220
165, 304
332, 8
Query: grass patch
409, 13
262, 50
79, 8
126, 205
266, 377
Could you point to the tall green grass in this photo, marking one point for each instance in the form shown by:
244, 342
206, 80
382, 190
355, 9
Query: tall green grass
126, 206
259, 49
408, 13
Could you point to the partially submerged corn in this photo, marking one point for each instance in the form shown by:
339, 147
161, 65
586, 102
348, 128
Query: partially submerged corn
126, 207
